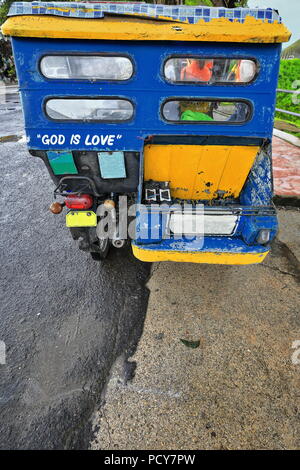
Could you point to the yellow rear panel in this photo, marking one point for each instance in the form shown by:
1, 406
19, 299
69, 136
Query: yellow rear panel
199, 172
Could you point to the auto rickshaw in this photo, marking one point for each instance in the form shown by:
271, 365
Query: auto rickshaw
170, 106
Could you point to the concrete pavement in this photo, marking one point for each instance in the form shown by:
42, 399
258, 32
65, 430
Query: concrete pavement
289, 230
239, 389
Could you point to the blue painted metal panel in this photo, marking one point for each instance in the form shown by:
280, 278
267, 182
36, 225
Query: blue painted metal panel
251, 227
147, 89
258, 190
151, 228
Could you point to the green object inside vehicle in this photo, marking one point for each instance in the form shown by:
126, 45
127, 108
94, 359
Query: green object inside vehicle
62, 163
189, 115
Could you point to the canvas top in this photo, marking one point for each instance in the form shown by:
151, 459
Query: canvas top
179, 13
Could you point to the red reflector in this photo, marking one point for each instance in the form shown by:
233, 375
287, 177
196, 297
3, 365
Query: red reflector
84, 201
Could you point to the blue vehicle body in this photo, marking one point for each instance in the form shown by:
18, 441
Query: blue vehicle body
148, 90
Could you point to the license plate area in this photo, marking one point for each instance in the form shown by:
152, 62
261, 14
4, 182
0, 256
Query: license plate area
202, 224
81, 219
186, 224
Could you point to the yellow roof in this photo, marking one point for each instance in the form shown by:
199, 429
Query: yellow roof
129, 28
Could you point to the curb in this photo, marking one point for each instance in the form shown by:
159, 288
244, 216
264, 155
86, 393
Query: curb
286, 201
292, 139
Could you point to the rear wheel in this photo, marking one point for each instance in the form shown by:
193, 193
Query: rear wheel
103, 245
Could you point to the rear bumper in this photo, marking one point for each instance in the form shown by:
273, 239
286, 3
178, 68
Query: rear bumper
156, 240
215, 250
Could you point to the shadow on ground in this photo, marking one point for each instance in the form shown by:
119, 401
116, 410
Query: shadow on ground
64, 318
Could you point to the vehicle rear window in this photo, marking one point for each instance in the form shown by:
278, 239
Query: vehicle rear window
86, 67
194, 110
210, 70
89, 109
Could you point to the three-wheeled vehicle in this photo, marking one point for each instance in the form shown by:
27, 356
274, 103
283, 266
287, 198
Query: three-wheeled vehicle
170, 106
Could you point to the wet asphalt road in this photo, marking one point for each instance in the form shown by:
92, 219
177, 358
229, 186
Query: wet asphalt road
64, 318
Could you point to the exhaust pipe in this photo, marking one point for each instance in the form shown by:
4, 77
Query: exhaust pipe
118, 243
110, 206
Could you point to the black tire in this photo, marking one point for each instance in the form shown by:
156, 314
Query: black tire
104, 246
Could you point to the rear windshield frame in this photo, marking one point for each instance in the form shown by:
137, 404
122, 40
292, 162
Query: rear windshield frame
216, 123
82, 121
89, 54
207, 57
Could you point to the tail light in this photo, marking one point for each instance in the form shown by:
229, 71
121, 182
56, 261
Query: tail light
56, 207
82, 201
263, 237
